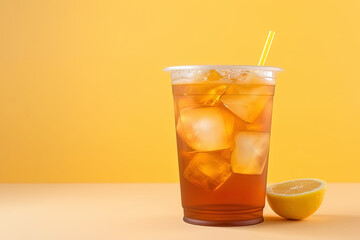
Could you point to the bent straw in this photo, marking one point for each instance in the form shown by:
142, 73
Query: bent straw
266, 48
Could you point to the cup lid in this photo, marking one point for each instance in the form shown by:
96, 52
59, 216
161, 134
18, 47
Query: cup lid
223, 67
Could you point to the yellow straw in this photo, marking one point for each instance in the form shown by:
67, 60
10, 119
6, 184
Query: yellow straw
266, 48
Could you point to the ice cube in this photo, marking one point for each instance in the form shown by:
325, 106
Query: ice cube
250, 153
234, 89
205, 94
263, 121
247, 77
207, 171
205, 128
261, 124
210, 75
229, 120
209, 89
186, 102
246, 107
182, 102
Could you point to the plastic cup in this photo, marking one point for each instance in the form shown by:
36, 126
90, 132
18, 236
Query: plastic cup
223, 122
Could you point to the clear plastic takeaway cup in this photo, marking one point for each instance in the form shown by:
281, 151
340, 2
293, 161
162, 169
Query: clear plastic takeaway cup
223, 120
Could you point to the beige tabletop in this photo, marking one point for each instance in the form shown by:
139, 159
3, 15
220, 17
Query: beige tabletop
152, 211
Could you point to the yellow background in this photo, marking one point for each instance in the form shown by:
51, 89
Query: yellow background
83, 97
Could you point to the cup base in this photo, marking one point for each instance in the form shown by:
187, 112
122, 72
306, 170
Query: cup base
223, 223
223, 218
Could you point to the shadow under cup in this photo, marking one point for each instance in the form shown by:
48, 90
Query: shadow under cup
223, 123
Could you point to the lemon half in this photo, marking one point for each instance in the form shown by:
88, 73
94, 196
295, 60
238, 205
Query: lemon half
296, 199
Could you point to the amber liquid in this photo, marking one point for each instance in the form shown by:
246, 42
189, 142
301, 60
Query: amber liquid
240, 199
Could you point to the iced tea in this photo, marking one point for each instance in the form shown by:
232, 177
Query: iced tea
223, 121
